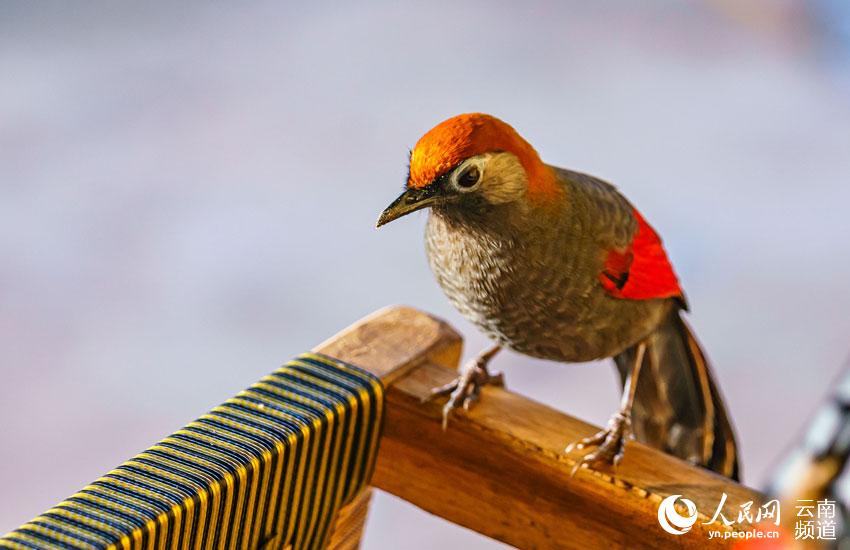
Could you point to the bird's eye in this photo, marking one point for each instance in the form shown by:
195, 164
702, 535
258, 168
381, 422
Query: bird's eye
469, 177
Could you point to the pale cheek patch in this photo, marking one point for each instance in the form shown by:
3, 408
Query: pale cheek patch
505, 179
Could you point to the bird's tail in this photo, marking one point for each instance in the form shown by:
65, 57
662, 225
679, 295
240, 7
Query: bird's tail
678, 407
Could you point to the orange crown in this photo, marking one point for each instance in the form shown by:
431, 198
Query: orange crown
458, 138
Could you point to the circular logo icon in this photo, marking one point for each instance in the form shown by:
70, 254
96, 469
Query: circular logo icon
671, 520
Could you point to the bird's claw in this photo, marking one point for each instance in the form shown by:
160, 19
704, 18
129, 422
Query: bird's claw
465, 390
610, 443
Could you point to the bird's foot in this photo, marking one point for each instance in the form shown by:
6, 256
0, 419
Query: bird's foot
610, 443
465, 390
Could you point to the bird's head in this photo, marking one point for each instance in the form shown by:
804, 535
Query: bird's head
472, 161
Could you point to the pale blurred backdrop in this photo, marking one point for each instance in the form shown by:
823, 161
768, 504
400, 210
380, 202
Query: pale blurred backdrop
188, 195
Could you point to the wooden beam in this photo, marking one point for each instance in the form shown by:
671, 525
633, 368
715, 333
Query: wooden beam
394, 340
349, 524
500, 469
389, 343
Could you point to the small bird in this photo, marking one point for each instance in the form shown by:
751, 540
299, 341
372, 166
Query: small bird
558, 265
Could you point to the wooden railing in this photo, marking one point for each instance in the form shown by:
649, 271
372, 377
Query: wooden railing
499, 469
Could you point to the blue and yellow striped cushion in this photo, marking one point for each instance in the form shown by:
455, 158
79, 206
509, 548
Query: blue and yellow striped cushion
269, 468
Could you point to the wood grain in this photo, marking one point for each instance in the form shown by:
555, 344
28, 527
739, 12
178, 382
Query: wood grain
500, 469
394, 340
349, 524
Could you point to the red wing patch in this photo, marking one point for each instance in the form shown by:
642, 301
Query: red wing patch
641, 271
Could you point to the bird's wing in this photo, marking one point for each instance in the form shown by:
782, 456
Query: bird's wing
641, 270
635, 265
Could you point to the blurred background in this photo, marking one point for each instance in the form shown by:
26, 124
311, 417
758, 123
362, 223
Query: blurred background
188, 195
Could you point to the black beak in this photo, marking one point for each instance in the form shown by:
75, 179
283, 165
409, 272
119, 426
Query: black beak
413, 199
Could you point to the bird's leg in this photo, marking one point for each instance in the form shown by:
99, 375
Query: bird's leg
466, 388
610, 443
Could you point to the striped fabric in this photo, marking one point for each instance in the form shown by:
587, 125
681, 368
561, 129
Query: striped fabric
268, 469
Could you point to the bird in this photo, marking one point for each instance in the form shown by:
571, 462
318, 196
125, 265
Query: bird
558, 265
